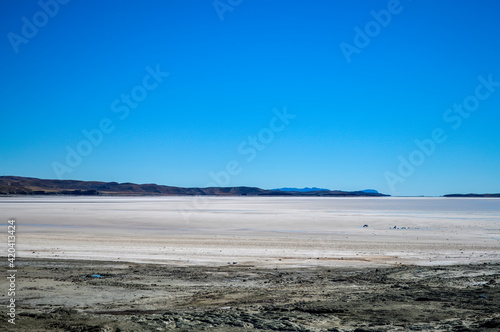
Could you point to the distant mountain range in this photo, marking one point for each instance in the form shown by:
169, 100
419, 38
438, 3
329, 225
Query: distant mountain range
303, 190
16, 185
307, 189
472, 195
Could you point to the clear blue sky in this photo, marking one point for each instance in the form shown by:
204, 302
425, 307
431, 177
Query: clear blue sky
69, 68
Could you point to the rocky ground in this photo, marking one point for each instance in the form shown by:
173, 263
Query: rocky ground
66, 295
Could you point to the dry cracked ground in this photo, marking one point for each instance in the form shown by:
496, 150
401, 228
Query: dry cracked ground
66, 295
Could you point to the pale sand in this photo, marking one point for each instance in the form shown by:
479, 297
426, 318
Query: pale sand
263, 231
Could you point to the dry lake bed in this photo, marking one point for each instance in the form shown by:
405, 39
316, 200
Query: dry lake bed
253, 263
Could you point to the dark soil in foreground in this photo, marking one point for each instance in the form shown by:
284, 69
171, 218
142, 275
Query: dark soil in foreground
63, 295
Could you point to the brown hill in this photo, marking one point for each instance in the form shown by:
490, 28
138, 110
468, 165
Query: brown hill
16, 185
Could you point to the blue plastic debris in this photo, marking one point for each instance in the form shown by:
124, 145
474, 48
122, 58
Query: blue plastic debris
94, 276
